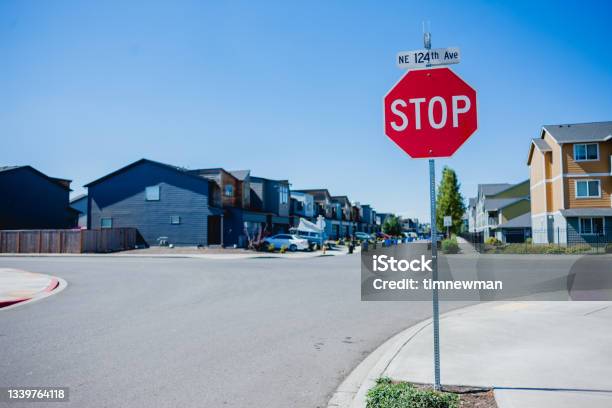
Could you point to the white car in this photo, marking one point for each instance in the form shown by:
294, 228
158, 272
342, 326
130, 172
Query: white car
291, 242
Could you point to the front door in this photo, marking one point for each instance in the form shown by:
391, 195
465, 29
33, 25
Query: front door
214, 230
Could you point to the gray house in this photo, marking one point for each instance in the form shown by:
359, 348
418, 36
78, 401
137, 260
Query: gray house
30, 199
159, 200
79, 203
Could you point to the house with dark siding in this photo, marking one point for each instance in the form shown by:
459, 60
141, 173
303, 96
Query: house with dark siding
29, 199
160, 200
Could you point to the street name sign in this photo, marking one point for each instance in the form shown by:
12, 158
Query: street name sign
430, 113
424, 58
448, 221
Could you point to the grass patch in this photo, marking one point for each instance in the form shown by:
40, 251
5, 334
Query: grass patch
387, 394
528, 248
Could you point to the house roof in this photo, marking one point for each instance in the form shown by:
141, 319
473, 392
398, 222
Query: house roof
341, 199
522, 221
580, 132
492, 189
318, 194
541, 145
78, 198
181, 170
493, 204
65, 183
587, 212
240, 174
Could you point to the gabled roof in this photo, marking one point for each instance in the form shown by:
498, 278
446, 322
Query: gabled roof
210, 171
493, 204
522, 221
539, 144
181, 170
65, 183
240, 174
580, 132
77, 198
492, 189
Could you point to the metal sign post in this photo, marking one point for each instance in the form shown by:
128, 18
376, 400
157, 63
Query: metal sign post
429, 114
434, 253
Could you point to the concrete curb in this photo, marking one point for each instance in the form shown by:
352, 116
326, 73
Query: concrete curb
56, 286
352, 391
220, 257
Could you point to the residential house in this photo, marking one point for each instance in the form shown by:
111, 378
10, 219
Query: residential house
368, 218
251, 205
79, 203
163, 202
571, 183
498, 204
302, 206
30, 199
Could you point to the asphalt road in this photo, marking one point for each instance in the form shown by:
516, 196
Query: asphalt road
170, 332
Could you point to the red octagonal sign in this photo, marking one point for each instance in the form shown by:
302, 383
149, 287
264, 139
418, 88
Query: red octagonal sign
430, 113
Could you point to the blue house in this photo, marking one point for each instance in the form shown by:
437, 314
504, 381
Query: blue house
30, 199
160, 200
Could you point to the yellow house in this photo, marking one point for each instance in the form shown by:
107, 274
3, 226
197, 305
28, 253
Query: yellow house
571, 183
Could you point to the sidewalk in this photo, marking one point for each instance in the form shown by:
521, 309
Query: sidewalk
18, 286
534, 354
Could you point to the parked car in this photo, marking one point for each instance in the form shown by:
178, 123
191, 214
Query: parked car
313, 238
292, 242
363, 236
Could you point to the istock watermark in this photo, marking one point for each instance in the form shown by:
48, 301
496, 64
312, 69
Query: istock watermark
404, 272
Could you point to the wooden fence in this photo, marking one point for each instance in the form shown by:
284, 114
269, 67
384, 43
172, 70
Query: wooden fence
67, 241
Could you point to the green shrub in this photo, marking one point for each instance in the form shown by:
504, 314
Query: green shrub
450, 246
529, 241
271, 247
283, 249
386, 394
492, 241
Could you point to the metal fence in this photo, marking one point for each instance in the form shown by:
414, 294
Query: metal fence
568, 240
67, 241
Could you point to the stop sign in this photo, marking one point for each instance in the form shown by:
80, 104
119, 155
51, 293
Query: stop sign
430, 113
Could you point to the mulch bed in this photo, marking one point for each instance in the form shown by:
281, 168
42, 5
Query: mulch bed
470, 397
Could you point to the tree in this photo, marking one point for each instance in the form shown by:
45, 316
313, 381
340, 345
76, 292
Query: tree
392, 225
449, 201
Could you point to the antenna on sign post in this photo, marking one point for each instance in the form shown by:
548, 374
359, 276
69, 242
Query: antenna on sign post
434, 248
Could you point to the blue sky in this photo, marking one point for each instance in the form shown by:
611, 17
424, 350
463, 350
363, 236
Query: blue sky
288, 89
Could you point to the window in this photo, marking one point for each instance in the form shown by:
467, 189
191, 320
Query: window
591, 226
588, 188
228, 191
106, 223
152, 193
586, 152
175, 219
284, 194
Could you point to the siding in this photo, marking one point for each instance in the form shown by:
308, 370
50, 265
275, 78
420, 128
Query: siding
122, 198
604, 201
600, 166
29, 200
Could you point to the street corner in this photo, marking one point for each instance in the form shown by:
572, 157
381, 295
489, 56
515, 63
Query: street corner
18, 286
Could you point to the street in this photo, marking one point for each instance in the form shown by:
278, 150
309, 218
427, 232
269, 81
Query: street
168, 332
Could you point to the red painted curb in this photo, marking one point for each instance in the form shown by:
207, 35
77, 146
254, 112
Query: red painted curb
6, 303
54, 284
